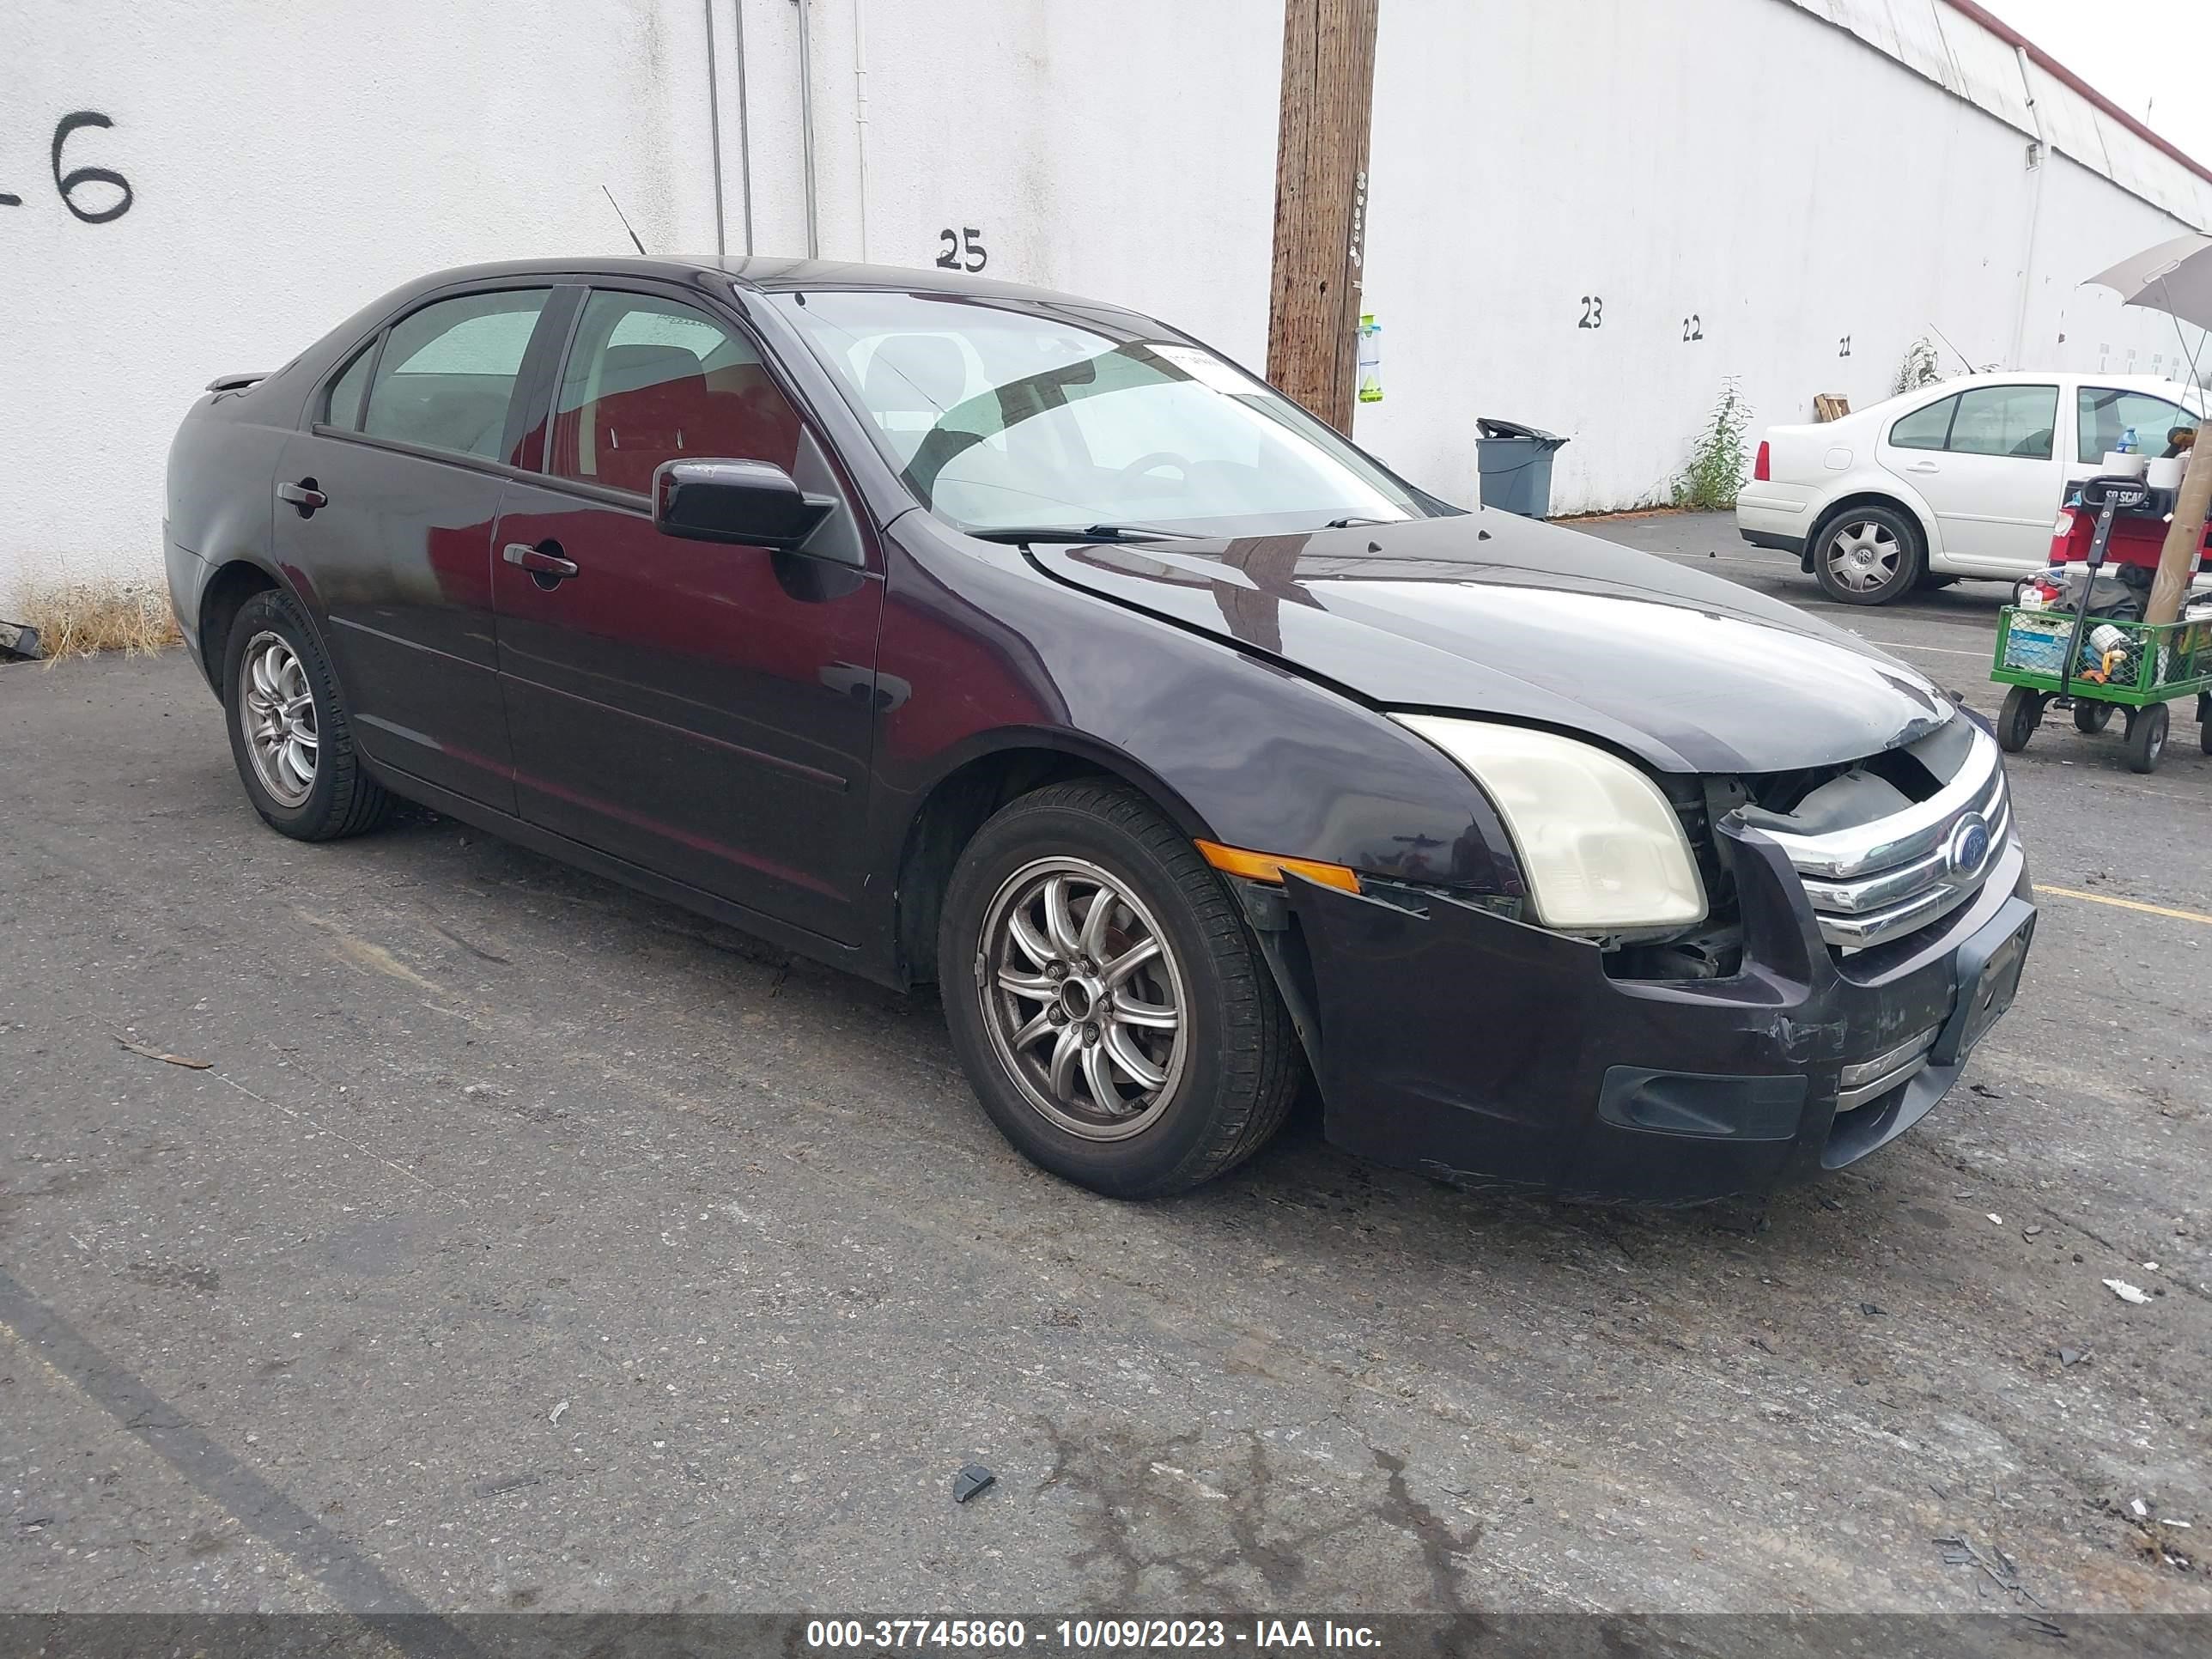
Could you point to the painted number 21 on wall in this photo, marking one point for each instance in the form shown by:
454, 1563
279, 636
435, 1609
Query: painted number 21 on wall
95, 195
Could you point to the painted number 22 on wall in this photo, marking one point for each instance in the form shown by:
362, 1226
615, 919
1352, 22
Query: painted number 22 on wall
962, 252
81, 188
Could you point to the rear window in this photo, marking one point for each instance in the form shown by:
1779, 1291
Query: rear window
2005, 420
448, 375
2015, 421
1924, 429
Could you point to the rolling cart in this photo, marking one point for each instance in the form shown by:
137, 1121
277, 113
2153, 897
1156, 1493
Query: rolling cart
2094, 664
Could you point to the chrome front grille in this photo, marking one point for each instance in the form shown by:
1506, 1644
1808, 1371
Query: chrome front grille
1880, 880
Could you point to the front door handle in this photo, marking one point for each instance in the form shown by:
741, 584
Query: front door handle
545, 567
303, 495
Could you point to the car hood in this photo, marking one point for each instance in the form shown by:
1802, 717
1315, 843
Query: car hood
1489, 614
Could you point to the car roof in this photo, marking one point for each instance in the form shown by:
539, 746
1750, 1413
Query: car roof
767, 274
2157, 383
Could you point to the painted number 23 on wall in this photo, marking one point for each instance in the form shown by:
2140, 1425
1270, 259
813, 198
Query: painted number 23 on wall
95, 195
963, 251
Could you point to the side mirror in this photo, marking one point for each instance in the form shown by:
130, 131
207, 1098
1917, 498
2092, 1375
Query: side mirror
750, 503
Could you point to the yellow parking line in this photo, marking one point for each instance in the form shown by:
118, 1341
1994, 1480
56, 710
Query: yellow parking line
2125, 904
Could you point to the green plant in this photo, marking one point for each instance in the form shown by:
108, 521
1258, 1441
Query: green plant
1918, 369
1717, 458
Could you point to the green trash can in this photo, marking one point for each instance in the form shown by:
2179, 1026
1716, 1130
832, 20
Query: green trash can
1515, 462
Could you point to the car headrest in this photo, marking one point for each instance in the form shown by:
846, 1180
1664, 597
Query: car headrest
632, 368
915, 375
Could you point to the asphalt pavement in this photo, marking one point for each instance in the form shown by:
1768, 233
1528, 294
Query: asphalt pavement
513, 1241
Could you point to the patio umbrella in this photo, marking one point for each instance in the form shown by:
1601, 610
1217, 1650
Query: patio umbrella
2175, 277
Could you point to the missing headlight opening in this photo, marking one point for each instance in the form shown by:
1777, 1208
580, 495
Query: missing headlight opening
1887, 844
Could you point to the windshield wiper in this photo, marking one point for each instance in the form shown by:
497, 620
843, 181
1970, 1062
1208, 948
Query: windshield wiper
1097, 533
1346, 523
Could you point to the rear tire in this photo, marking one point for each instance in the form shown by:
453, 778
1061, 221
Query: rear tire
2017, 720
289, 734
2146, 739
1047, 1019
1868, 556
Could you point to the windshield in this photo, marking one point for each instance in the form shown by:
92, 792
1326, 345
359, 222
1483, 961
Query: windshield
1009, 416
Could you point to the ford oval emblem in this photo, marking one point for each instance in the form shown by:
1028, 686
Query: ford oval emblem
1968, 849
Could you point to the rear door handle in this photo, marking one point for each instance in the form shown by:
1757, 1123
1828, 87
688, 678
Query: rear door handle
537, 562
1924, 466
303, 495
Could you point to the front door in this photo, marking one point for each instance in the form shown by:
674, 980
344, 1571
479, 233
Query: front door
389, 500
2105, 415
1991, 474
701, 709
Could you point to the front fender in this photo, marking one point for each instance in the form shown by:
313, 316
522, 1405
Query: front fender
1244, 750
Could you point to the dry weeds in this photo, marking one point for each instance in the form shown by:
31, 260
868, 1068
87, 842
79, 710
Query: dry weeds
79, 619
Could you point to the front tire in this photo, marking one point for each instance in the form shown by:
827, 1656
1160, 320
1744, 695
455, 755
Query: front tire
289, 734
2091, 718
1106, 999
1868, 556
2017, 719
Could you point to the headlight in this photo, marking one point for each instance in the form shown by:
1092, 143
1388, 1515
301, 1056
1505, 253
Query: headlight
1600, 844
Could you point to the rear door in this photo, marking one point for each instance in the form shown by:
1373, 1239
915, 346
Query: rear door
701, 709
386, 503
1986, 461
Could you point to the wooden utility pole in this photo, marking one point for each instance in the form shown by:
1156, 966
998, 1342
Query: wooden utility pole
2185, 536
1321, 202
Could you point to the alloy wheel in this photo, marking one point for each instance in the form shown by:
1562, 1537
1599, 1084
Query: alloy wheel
277, 712
1863, 555
1083, 998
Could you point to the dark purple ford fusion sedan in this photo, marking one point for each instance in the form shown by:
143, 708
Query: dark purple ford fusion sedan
953, 631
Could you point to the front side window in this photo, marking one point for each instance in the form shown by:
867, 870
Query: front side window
2005, 420
649, 381
2104, 414
1004, 417
446, 377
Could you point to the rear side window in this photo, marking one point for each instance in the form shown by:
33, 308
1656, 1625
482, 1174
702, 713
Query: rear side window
344, 409
2104, 413
446, 377
1924, 429
2005, 420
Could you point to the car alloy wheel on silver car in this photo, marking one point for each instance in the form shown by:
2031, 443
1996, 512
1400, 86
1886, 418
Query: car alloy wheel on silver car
277, 715
1083, 998
1863, 555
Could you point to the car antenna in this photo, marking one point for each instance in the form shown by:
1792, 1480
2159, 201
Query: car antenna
624, 217
1955, 352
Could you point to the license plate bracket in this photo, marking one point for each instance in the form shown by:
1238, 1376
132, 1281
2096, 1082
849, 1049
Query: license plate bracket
1989, 970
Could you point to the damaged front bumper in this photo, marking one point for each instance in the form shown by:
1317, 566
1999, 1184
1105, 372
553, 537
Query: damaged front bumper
1454, 1041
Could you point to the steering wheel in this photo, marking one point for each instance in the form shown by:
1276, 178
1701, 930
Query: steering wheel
1154, 462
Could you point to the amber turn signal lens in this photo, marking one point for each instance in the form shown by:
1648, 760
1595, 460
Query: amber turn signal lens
1266, 866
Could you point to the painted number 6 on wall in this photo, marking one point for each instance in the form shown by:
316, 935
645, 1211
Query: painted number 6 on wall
93, 195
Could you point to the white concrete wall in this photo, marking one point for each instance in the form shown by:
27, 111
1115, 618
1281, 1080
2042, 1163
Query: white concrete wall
1758, 163
289, 160
1740, 161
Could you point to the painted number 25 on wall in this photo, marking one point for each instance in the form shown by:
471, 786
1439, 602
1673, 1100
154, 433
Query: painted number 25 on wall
81, 188
963, 251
